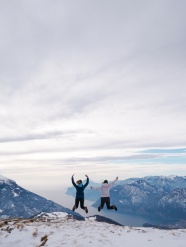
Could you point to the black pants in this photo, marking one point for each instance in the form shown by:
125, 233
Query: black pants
107, 201
81, 201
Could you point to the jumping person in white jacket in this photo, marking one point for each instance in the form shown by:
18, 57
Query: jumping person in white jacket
105, 195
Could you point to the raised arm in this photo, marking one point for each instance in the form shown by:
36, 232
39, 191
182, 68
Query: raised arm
72, 178
87, 182
112, 183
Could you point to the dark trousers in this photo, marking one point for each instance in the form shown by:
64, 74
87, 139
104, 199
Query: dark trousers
81, 201
107, 201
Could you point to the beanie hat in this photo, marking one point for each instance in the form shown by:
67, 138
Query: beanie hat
105, 182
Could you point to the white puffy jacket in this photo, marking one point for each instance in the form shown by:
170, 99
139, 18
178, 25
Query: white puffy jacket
105, 188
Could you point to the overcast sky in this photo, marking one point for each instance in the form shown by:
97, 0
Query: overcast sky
96, 87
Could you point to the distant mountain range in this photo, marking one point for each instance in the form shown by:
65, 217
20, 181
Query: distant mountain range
17, 202
156, 196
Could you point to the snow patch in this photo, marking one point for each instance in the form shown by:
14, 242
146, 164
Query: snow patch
52, 215
70, 232
92, 218
15, 194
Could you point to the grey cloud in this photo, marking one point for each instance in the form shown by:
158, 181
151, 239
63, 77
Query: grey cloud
89, 32
38, 30
43, 136
31, 137
84, 160
112, 158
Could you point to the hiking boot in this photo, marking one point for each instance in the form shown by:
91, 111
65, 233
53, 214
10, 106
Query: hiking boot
114, 207
86, 210
99, 209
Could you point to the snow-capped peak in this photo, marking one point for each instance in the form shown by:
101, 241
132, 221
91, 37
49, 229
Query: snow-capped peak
5, 180
2, 178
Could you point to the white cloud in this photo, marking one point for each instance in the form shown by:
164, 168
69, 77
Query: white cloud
90, 79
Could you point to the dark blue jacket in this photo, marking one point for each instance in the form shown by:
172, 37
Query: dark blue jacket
80, 189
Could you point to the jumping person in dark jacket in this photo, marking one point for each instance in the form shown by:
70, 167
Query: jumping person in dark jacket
80, 193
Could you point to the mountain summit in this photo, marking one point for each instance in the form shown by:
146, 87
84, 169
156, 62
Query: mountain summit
58, 229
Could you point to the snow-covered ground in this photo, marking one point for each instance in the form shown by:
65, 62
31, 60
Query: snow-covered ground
59, 229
